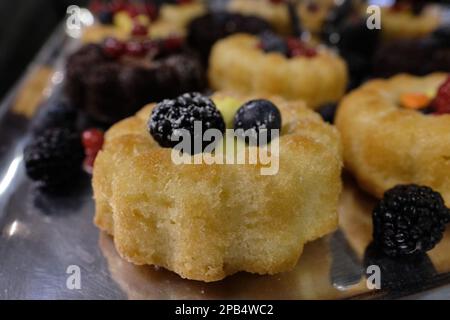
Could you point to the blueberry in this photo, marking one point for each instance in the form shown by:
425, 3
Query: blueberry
328, 111
105, 17
256, 115
271, 42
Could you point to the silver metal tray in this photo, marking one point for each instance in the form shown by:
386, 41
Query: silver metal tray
41, 236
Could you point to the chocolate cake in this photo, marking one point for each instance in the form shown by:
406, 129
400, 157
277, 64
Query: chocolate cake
113, 80
204, 31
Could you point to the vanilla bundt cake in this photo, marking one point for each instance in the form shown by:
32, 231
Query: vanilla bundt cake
401, 21
206, 221
141, 18
396, 131
269, 64
312, 13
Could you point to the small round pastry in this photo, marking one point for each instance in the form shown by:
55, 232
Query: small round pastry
206, 221
120, 22
204, 31
401, 21
396, 131
272, 65
113, 80
312, 12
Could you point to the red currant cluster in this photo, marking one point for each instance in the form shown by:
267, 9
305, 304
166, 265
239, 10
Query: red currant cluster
298, 48
133, 8
138, 48
92, 142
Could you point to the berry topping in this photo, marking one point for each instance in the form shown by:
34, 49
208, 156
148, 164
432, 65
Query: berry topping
92, 142
113, 47
441, 102
59, 114
299, 48
410, 219
270, 42
105, 16
328, 111
255, 116
139, 30
135, 49
312, 7
172, 43
171, 116
54, 157
414, 100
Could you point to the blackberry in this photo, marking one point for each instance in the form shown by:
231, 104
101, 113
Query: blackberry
256, 115
54, 157
270, 42
409, 220
171, 116
58, 114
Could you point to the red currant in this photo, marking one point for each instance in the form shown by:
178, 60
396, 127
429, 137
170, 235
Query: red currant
139, 30
135, 49
173, 43
113, 47
441, 103
92, 139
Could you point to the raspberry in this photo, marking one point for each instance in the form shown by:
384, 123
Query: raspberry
54, 157
441, 103
170, 116
409, 220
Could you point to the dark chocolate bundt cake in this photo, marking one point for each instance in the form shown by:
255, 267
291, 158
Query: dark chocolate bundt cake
204, 31
113, 80
415, 56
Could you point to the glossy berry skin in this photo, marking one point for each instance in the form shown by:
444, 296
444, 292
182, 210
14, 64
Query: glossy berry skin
441, 103
271, 42
169, 116
113, 47
105, 16
54, 157
139, 30
409, 220
92, 140
298, 48
256, 115
135, 49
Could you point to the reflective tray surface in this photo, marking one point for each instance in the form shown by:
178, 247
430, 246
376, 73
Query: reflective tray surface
43, 237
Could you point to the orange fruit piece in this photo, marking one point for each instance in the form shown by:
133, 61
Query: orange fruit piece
414, 100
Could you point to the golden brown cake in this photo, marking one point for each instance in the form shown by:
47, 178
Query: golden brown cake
237, 63
172, 20
312, 13
386, 144
205, 222
404, 24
